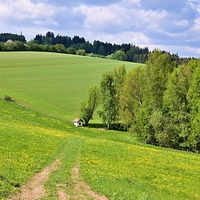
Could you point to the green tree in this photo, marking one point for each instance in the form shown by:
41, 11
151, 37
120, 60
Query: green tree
176, 107
194, 138
110, 87
194, 102
131, 97
80, 52
71, 50
101, 50
87, 108
60, 48
10, 45
1, 46
120, 55
157, 121
33, 45
156, 72
19, 46
194, 91
158, 68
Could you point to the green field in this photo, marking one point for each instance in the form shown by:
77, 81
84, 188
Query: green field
111, 162
51, 82
34, 133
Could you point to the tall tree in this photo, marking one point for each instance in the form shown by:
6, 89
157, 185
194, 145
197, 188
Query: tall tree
193, 93
176, 126
194, 102
131, 97
87, 108
120, 55
110, 87
156, 72
158, 68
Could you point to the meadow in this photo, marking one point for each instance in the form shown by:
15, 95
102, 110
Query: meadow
35, 131
111, 162
52, 82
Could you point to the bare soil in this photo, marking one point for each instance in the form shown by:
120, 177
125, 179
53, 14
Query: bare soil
80, 189
34, 189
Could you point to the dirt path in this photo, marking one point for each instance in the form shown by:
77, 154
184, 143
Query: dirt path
34, 189
81, 190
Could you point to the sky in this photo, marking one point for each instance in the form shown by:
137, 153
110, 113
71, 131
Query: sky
170, 25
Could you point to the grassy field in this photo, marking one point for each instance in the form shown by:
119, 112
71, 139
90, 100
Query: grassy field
34, 135
111, 162
53, 83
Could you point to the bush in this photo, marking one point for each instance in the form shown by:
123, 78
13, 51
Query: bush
7, 98
80, 52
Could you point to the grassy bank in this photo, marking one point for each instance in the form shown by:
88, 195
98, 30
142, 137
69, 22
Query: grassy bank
111, 162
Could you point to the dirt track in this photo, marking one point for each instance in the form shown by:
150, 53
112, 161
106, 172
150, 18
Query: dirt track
34, 189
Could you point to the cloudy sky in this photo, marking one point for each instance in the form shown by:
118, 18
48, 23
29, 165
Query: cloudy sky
171, 25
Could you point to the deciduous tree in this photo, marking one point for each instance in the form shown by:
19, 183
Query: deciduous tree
110, 87
131, 97
87, 108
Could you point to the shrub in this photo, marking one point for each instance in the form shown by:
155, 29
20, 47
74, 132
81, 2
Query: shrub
7, 98
80, 52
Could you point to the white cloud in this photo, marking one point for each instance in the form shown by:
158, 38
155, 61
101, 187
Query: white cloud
25, 9
181, 23
194, 51
45, 22
101, 17
116, 18
127, 37
197, 24
183, 51
166, 23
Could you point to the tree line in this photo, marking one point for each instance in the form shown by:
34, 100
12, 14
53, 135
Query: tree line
159, 102
4, 37
77, 45
128, 52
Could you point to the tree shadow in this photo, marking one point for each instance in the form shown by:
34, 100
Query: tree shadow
104, 127
96, 125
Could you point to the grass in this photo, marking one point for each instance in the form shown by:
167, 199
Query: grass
25, 147
53, 83
113, 163
131, 170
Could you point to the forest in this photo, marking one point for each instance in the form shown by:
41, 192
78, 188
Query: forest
78, 45
160, 102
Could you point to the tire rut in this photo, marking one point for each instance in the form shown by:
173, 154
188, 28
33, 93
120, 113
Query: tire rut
34, 189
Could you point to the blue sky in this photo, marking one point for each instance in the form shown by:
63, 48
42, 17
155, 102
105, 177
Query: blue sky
171, 25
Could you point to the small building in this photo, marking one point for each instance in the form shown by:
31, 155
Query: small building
78, 122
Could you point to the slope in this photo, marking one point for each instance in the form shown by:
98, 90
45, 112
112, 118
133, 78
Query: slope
50, 82
111, 162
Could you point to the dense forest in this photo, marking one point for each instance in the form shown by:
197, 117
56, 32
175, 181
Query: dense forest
78, 45
159, 102
4, 37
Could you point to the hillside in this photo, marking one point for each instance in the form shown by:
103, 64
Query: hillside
50, 82
112, 163
37, 134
